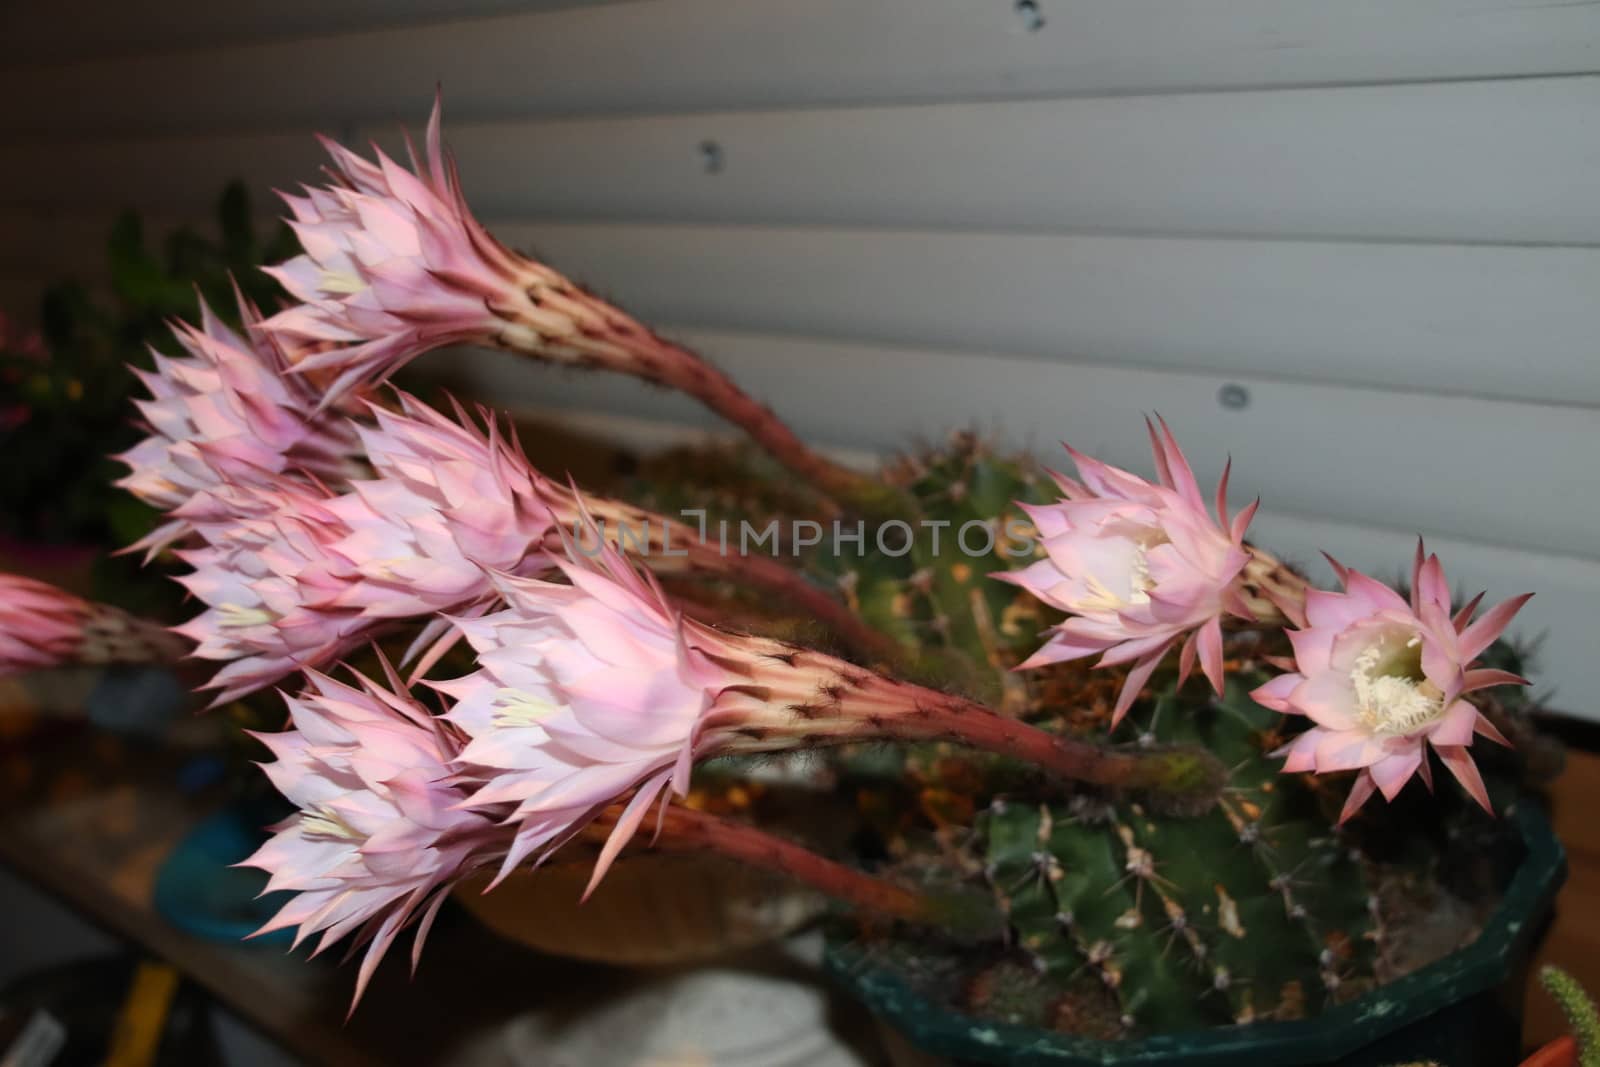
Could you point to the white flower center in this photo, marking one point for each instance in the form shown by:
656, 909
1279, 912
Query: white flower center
1393, 697
323, 821
239, 617
1135, 584
513, 707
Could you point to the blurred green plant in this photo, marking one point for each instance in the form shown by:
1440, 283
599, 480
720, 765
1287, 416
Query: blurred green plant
69, 408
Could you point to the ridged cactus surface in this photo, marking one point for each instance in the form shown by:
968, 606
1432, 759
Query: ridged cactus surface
1252, 910
1125, 918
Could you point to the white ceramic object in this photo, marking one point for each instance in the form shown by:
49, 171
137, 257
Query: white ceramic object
769, 1009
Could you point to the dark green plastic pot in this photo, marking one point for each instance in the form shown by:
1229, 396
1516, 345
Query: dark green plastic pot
1462, 1011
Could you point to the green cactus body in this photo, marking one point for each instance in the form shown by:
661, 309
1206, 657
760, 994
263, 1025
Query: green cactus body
1125, 918
1252, 910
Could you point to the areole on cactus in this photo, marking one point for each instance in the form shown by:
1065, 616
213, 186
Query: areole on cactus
1180, 878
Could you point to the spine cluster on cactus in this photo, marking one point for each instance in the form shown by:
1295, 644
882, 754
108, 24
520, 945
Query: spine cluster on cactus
1171, 878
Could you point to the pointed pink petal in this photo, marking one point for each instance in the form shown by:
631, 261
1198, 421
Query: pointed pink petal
1210, 636
1186, 660
1222, 493
627, 823
1456, 726
1488, 729
1137, 677
1391, 773
1481, 634
1464, 616
1459, 762
1363, 789
1182, 476
1485, 677
1275, 694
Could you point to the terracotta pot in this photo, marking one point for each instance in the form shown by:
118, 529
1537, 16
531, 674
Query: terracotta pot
651, 908
1562, 1052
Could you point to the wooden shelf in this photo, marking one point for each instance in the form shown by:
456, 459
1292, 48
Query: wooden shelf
90, 821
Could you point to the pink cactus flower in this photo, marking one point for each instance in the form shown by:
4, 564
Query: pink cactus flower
294, 576
585, 692
395, 264
449, 501
268, 573
1382, 680
1138, 567
381, 833
227, 416
42, 626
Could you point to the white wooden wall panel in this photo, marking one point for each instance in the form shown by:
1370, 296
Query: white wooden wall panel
1378, 217
180, 175
1492, 321
1514, 161
1433, 463
1495, 321
677, 55
62, 30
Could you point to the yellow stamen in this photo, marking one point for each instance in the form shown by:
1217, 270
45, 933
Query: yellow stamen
1393, 696
342, 281
323, 821
513, 707
238, 617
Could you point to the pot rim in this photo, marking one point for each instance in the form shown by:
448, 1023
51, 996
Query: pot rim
1333, 1033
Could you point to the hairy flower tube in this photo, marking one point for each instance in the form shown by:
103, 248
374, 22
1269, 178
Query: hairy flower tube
395, 265
1383, 679
225, 416
1138, 567
42, 626
597, 687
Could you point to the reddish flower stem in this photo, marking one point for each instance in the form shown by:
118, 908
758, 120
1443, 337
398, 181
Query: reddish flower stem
687, 830
689, 373
599, 334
